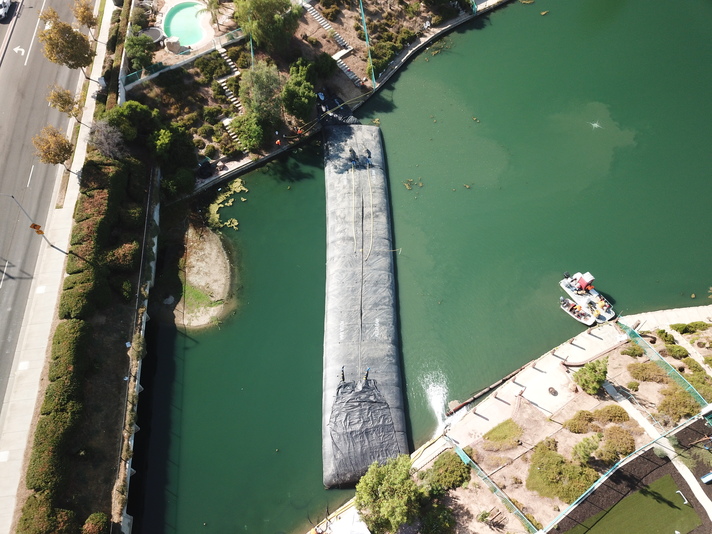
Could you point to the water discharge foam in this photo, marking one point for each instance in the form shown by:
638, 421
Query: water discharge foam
435, 387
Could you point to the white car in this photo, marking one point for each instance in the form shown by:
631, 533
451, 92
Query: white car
4, 8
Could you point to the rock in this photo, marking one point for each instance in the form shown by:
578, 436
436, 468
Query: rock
173, 45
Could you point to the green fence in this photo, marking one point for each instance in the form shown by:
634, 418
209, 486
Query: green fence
509, 505
653, 356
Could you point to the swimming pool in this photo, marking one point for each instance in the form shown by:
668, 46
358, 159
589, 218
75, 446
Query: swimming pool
182, 21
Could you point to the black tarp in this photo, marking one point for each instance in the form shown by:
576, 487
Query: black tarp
363, 417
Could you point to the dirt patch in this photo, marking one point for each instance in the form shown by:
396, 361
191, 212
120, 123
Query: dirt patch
208, 279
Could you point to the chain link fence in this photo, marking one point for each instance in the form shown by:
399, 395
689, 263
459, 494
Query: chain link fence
508, 504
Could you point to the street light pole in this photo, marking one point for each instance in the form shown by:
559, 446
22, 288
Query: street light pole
36, 227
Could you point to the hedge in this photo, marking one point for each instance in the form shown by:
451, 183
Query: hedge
77, 303
132, 217
70, 338
79, 258
93, 203
39, 516
45, 471
123, 258
62, 395
96, 523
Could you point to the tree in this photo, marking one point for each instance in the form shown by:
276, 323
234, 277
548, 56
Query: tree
214, 9
298, 95
64, 101
387, 497
107, 139
140, 50
52, 146
248, 130
84, 13
134, 120
63, 44
270, 23
260, 92
592, 376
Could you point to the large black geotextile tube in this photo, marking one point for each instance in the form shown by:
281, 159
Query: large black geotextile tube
363, 419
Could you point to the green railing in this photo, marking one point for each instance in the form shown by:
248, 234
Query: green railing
508, 504
653, 356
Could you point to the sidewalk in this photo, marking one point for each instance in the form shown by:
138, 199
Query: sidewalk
20, 402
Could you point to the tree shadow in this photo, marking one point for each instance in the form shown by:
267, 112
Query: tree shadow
658, 497
290, 168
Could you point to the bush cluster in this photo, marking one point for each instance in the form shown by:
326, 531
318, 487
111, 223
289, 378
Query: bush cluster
666, 337
387, 47
612, 413
585, 448
676, 351
212, 66
690, 328
447, 472
633, 349
698, 378
551, 475
677, 403
617, 443
647, 372
582, 420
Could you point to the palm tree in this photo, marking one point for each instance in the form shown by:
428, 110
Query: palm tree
214, 7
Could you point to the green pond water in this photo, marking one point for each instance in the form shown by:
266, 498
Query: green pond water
506, 205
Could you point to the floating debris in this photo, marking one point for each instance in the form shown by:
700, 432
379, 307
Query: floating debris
543, 13
475, 119
467, 186
409, 183
376, 121
526, 2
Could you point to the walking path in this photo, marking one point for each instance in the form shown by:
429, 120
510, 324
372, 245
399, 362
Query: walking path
532, 384
19, 404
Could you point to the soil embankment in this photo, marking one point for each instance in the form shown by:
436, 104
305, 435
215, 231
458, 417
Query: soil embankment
208, 279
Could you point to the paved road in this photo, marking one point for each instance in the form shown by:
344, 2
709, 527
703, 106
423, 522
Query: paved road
25, 78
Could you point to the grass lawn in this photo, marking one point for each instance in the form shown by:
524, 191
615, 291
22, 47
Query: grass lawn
654, 508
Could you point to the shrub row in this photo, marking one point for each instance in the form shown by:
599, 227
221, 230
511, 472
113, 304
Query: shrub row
582, 420
109, 191
107, 200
